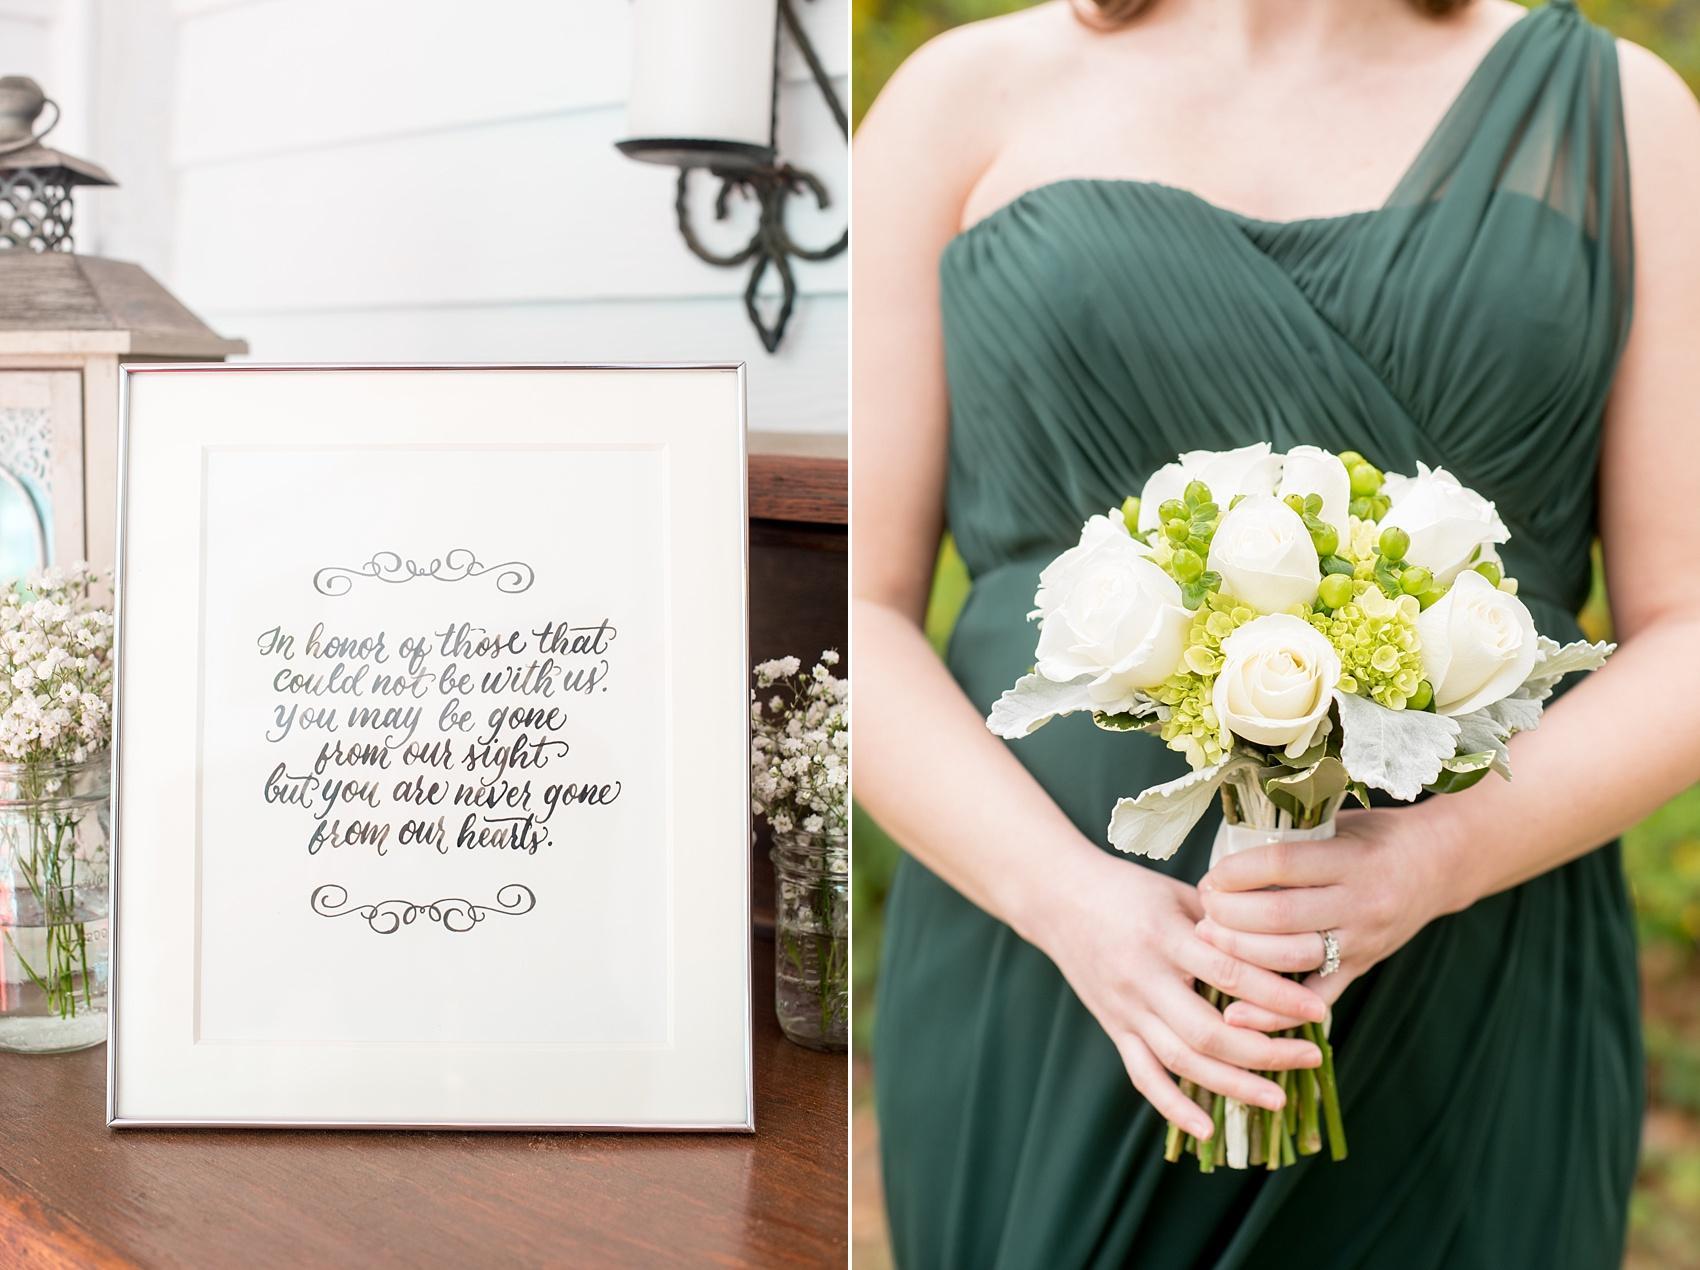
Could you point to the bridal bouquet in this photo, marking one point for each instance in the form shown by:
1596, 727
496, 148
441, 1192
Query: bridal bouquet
1304, 629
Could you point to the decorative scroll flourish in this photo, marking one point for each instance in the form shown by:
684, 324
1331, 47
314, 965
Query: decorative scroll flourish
386, 917
512, 576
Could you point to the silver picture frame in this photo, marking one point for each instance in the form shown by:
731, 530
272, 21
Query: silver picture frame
129, 373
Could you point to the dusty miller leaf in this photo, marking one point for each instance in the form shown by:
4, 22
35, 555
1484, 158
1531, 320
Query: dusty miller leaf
1157, 822
1137, 719
1556, 661
1480, 733
1489, 728
1034, 702
1398, 751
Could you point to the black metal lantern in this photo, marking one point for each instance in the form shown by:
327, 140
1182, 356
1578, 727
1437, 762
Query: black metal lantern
705, 94
36, 182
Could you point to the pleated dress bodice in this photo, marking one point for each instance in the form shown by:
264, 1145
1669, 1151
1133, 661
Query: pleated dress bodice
1093, 330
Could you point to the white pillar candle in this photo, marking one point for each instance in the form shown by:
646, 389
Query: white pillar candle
702, 70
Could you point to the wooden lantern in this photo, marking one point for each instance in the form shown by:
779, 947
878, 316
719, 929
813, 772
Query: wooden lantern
66, 323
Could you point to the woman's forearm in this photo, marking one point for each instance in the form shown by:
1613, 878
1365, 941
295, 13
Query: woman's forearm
944, 787
1623, 741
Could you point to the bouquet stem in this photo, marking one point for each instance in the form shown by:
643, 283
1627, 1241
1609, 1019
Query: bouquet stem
1315, 1033
1174, 1144
46, 862
1270, 1139
1310, 1132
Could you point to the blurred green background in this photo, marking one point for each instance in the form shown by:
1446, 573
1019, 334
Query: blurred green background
1662, 855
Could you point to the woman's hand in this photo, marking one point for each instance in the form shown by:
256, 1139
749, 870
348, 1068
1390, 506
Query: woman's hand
1379, 881
1125, 939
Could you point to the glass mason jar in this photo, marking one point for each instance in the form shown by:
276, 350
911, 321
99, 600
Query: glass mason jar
55, 835
811, 935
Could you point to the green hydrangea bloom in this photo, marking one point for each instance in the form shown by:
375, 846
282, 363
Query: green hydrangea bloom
1189, 723
1376, 638
1360, 547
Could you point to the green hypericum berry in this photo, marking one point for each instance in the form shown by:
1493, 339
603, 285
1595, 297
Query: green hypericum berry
1196, 493
1379, 506
1395, 542
1366, 480
1327, 540
1422, 698
1187, 564
1362, 509
1350, 459
1171, 509
1336, 590
1178, 530
1416, 580
1490, 570
1130, 515
1429, 598
1296, 502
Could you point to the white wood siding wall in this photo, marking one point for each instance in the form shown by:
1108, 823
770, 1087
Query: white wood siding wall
424, 180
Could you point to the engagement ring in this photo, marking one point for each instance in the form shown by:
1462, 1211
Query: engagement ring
1330, 953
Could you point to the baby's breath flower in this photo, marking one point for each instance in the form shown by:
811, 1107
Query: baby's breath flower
799, 746
55, 669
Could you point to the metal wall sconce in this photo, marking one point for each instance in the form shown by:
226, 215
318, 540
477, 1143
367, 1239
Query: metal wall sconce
705, 94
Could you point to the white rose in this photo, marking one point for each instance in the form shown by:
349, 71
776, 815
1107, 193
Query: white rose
1276, 683
1265, 556
1109, 528
1449, 525
1109, 612
1478, 645
1251, 469
1308, 469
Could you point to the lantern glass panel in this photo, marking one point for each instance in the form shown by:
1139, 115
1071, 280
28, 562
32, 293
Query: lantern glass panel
25, 489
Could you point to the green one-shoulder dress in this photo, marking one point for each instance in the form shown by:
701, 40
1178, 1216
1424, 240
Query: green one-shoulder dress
1491, 1071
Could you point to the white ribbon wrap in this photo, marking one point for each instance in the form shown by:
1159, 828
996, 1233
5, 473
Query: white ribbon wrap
1233, 839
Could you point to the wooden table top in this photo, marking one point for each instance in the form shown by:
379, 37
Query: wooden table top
75, 1193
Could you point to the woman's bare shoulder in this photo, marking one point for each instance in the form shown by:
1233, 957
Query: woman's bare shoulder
1021, 43
959, 92
1652, 88
1662, 123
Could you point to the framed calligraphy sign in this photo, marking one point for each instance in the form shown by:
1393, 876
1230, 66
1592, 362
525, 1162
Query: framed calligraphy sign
431, 777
